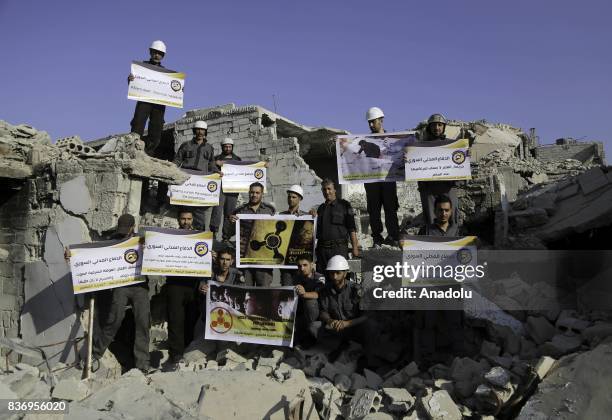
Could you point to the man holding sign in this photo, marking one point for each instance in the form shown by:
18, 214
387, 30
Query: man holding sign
145, 110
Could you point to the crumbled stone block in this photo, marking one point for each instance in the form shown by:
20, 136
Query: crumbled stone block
440, 406
364, 402
540, 329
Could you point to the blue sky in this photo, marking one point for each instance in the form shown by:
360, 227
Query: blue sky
540, 64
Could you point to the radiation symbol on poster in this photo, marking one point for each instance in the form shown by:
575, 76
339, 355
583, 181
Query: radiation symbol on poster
272, 241
221, 320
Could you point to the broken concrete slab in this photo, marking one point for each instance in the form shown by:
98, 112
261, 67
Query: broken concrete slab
540, 329
74, 196
544, 365
364, 402
578, 385
70, 390
440, 406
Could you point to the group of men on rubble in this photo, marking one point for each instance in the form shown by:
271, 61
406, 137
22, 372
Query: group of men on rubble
327, 304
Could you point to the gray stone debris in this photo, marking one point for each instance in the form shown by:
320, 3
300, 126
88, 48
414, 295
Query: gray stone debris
364, 402
440, 406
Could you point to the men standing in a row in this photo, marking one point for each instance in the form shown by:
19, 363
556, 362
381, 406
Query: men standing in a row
335, 226
197, 155
183, 304
295, 194
429, 190
227, 201
145, 110
382, 194
255, 276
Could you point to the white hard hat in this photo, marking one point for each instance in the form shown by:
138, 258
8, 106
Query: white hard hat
296, 189
201, 124
159, 46
337, 263
374, 113
227, 140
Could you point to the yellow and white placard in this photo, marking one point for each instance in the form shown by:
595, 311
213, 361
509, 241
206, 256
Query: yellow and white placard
238, 175
259, 315
199, 190
177, 252
156, 85
438, 260
106, 264
438, 160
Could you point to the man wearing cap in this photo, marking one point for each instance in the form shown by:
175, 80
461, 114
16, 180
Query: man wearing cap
261, 277
383, 194
145, 110
295, 194
339, 311
197, 155
429, 190
227, 201
335, 226
138, 295
308, 284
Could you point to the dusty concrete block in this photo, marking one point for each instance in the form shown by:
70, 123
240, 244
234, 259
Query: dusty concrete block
597, 331
445, 384
528, 218
561, 345
364, 402
498, 377
268, 361
229, 355
342, 382
540, 329
71, 390
543, 366
358, 381
373, 379
329, 371
440, 406
74, 195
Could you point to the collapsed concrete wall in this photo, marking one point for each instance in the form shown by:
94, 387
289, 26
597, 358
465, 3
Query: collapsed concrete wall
55, 196
568, 148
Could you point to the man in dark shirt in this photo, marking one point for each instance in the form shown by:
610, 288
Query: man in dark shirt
307, 283
227, 201
223, 271
138, 296
443, 224
145, 110
382, 194
339, 312
255, 276
197, 155
335, 225
429, 190
183, 304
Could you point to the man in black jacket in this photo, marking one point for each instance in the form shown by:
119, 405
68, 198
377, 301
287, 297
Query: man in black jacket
145, 110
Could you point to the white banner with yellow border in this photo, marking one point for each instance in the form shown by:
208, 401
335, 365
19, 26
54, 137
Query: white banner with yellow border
438, 160
156, 85
177, 252
238, 175
434, 260
365, 158
258, 315
106, 264
199, 190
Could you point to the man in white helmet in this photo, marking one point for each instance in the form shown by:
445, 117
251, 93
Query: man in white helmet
340, 313
295, 194
429, 190
145, 110
227, 201
197, 154
382, 194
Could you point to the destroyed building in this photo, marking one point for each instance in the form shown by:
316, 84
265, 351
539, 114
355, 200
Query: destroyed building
522, 195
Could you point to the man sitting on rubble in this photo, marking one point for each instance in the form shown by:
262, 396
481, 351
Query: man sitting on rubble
197, 155
255, 276
307, 283
443, 224
340, 314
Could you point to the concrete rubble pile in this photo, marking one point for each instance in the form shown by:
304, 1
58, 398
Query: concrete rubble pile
514, 363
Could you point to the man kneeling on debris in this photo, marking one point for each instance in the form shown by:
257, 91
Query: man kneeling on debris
339, 309
308, 284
